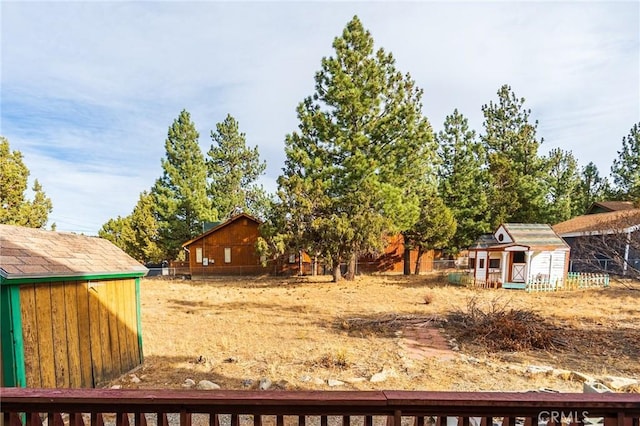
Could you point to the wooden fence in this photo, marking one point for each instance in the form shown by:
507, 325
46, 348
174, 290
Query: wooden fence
574, 281
97, 407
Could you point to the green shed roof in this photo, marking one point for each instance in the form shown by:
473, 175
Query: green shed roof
36, 253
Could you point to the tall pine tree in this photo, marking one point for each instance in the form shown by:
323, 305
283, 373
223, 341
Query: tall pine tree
15, 208
516, 172
462, 181
563, 181
233, 169
362, 150
180, 194
625, 170
592, 187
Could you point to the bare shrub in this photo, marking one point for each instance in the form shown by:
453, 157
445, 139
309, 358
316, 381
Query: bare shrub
499, 327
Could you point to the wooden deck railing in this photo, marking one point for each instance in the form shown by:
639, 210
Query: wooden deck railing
78, 407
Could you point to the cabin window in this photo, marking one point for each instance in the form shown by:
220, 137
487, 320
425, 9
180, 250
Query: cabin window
518, 257
494, 263
292, 258
472, 262
481, 266
227, 255
198, 254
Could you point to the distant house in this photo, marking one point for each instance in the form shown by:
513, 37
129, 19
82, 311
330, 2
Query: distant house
607, 241
393, 259
228, 248
517, 253
70, 312
609, 206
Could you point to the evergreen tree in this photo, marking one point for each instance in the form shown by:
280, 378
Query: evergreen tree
180, 195
462, 181
516, 173
233, 169
592, 187
434, 229
625, 170
142, 233
15, 208
115, 231
362, 149
563, 182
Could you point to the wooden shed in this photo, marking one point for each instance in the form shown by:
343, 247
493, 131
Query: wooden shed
70, 309
229, 248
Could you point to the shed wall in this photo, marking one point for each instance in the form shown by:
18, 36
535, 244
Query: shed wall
79, 333
549, 265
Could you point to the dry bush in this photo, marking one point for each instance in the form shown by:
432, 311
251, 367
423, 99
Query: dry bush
499, 327
428, 298
338, 359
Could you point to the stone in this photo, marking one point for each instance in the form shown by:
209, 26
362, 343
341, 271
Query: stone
619, 383
538, 369
318, 381
188, 383
134, 379
379, 377
207, 385
306, 378
116, 387
334, 382
264, 384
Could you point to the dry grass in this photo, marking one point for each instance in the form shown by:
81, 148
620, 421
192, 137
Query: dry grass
233, 331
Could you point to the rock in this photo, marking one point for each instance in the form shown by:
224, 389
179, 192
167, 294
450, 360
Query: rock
134, 379
355, 380
188, 383
334, 382
538, 369
207, 385
318, 381
379, 377
619, 383
581, 377
264, 384
247, 383
306, 378
116, 387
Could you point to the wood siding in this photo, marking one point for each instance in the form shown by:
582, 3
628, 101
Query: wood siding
79, 334
240, 236
392, 260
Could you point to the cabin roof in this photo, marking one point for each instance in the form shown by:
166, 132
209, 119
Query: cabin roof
600, 223
221, 225
610, 206
532, 235
36, 253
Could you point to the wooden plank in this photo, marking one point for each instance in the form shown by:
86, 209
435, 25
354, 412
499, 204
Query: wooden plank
84, 334
30, 336
73, 334
96, 341
60, 340
126, 351
45, 335
105, 342
112, 307
132, 324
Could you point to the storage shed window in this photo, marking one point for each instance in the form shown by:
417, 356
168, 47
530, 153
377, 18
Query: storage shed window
198, 254
472, 262
227, 255
481, 266
494, 263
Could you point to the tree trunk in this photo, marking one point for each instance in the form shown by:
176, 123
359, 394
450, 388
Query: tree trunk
314, 268
420, 253
407, 261
351, 268
336, 270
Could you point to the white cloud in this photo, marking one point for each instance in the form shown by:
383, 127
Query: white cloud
89, 89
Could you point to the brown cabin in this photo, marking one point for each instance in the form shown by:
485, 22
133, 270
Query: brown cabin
229, 248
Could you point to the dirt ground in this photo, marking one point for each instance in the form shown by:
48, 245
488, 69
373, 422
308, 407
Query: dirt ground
299, 333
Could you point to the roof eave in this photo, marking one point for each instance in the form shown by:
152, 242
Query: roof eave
67, 276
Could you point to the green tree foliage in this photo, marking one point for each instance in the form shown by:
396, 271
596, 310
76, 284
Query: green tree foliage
434, 229
564, 185
233, 169
516, 173
15, 208
592, 187
362, 149
180, 194
462, 181
115, 231
625, 170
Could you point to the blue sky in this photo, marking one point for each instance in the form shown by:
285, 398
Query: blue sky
89, 89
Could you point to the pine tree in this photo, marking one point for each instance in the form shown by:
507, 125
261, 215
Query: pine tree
15, 208
516, 173
563, 182
462, 181
233, 169
592, 187
180, 195
362, 150
625, 170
